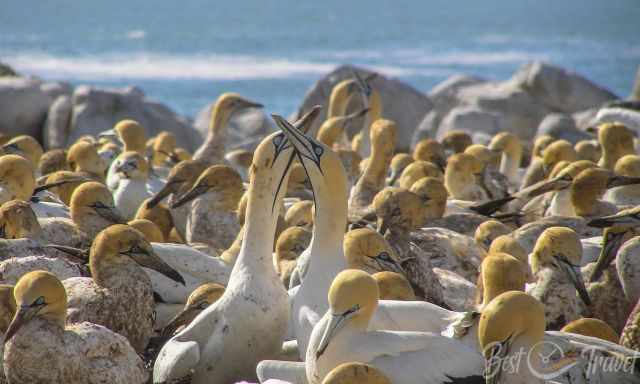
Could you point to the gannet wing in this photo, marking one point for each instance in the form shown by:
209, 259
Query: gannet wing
176, 360
289, 371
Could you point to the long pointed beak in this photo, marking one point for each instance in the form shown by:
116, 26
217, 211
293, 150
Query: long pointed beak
22, 316
575, 276
306, 121
336, 322
149, 259
490, 207
183, 318
556, 184
195, 191
80, 254
619, 181
244, 104
383, 226
612, 243
167, 189
395, 175
111, 214
299, 141
620, 219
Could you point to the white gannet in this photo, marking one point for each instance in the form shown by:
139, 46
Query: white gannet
39, 348
134, 185
130, 134
248, 323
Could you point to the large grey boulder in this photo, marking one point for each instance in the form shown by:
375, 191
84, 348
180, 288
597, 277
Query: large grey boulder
481, 124
23, 106
94, 110
562, 126
445, 94
400, 102
559, 89
56, 127
245, 129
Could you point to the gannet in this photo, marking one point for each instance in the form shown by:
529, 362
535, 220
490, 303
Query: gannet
62, 184
215, 196
510, 148
399, 162
131, 135
291, 243
119, 294
344, 335
394, 286
555, 262
592, 327
300, 214
213, 149
354, 373
430, 150
333, 128
199, 300
159, 214
616, 141
456, 141
488, 231
495, 184
416, 171
164, 147
460, 178
367, 250
588, 150
53, 160
626, 196
383, 133
83, 158
149, 229
134, 185
25, 146
630, 335
108, 153
535, 171
509, 245
248, 323
39, 348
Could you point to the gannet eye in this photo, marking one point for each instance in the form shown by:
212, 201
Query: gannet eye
317, 150
39, 302
203, 305
277, 140
384, 256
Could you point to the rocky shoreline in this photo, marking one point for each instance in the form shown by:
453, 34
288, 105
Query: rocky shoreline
538, 99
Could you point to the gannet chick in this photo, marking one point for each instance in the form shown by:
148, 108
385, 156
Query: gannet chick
39, 348
555, 262
83, 158
616, 141
430, 150
300, 214
119, 294
456, 141
213, 149
149, 229
291, 243
92, 210
630, 337
164, 146
488, 231
588, 150
133, 185
25, 146
199, 300
383, 139
354, 373
510, 147
52, 161
180, 180
404, 357
592, 327
399, 162
367, 250
215, 197
460, 178
416, 171
629, 166
158, 214
248, 323
240, 160
298, 184
394, 286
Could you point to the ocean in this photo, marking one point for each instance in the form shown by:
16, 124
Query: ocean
185, 53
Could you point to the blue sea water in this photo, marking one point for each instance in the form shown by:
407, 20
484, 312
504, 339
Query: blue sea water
185, 53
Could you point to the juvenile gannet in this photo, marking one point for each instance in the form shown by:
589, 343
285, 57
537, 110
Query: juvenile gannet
588, 150
394, 286
383, 139
134, 185
159, 214
344, 335
592, 327
119, 294
25, 146
555, 262
215, 196
488, 231
616, 141
39, 348
510, 148
630, 336
53, 160
248, 323
200, 299
213, 149
416, 171
149, 229
291, 243
399, 162
432, 151
83, 158
456, 141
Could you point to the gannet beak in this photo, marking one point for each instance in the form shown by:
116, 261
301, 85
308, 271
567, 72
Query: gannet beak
147, 258
619, 181
109, 213
306, 121
11, 148
611, 244
556, 184
573, 272
383, 226
386, 263
195, 191
304, 147
620, 219
80, 254
244, 104
166, 190
183, 318
336, 322
22, 316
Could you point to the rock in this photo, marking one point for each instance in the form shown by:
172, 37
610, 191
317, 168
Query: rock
245, 130
56, 128
400, 102
479, 123
635, 92
94, 110
559, 89
562, 126
23, 106
53, 90
585, 119
445, 94
428, 127
7, 71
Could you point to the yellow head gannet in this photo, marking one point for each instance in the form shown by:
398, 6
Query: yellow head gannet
343, 335
149, 229
383, 133
63, 183
25, 146
501, 272
535, 171
555, 262
509, 245
215, 196
201, 298
130, 134
248, 323
394, 286
510, 148
39, 348
118, 295
367, 250
158, 214
588, 150
616, 141
488, 231
629, 196
460, 178
291, 243
456, 141
84, 159
559, 150
134, 185
212, 150
495, 183
399, 162
164, 147
300, 214
355, 373
432, 151
332, 130
416, 171
16, 178
52, 161
592, 327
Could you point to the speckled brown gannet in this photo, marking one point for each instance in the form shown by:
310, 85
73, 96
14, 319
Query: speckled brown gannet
180, 180
25, 146
383, 140
555, 262
354, 373
514, 322
213, 149
134, 184
344, 335
248, 323
291, 243
215, 196
119, 294
53, 160
616, 141
39, 348
199, 300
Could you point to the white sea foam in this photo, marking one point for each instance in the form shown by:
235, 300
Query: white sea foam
136, 34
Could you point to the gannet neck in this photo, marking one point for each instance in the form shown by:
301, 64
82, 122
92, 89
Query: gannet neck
510, 163
340, 96
382, 143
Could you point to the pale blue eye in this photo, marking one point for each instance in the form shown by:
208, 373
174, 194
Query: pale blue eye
39, 301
